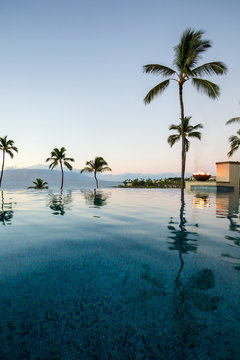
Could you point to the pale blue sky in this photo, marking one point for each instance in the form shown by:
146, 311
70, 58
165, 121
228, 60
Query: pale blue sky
71, 75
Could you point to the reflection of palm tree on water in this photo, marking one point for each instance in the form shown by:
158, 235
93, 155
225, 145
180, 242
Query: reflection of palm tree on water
180, 240
59, 203
189, 294
192, 293
96, 198
202, 279
182, 314
6, 213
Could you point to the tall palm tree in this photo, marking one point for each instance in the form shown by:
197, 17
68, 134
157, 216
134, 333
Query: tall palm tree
7, 147
189, 131
39, 184
95, 166
58, 156
234, 143
186, 56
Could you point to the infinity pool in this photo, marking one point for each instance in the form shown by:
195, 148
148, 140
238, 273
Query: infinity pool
119, 274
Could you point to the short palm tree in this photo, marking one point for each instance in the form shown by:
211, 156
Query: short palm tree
189, 131
186, 57
234, 143
39, 184
58, 156
95, 166
7, 147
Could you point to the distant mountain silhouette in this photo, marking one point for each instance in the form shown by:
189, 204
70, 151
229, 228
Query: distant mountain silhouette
22, 178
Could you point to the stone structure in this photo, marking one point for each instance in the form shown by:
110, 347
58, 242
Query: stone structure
227, 178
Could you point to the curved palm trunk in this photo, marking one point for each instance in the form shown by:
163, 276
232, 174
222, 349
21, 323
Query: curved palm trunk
183, 139
95, 176
2, 168
62, 175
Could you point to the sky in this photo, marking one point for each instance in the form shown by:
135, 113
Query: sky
71, 75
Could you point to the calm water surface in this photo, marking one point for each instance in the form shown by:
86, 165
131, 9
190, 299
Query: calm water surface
119, 274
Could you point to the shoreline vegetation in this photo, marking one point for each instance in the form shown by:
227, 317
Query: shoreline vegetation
168, 183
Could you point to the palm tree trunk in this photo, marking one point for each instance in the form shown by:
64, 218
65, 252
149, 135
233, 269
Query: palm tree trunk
62, 174
95, 175
183, 138
2, 168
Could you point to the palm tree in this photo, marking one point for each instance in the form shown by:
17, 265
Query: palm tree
39, 184
234, 143
96, 165
58, 156
7, 147
187, 54
189, 131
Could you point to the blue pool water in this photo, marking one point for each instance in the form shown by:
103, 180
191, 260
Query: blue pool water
119, 274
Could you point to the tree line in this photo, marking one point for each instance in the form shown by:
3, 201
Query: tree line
57, 157
172, 182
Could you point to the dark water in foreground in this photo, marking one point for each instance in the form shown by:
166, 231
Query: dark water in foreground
119, 274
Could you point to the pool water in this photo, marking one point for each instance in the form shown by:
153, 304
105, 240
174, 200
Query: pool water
119, 274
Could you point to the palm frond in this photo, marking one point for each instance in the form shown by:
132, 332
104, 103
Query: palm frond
233, 120
87, 169
106, 168
172, 139
189, 50
99, 161
90, 163
158, 69
195, 134
206, 87
212, 68
234, 143
234, 147
175, 127
198, 126
9, 152
14, 148
186, 121
69, 166
53, 164
157, 90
